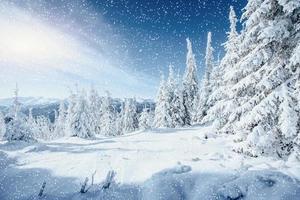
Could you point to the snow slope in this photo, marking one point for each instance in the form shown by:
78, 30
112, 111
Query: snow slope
158, 164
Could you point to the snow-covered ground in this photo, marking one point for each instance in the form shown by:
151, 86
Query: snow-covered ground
159, 164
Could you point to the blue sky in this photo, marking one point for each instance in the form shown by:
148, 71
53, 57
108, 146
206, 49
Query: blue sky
115, 45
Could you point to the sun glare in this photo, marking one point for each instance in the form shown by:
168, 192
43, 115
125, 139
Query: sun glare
32, 42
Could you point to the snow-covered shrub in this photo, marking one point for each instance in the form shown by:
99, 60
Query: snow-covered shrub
17, 129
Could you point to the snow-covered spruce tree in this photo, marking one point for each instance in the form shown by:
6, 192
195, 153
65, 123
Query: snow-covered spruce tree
177, 110
206, 86
80, 119
2, 126
266, 46
120, 120
145, 119
71, 103
190, 84
17, 128
221, 108
60, 121
108, 120
292, 10
31, 123
94, 102
162, 118
43, 129
130, 117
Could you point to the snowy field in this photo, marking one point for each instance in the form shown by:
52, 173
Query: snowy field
191, 163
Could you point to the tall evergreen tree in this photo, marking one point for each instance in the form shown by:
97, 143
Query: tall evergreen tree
16, 128
80, 119
221, 108
108, 120
261, 70
60, 122
130, 118
71, 102
206, 86
177, 110
190, 84
162, 118
94, 102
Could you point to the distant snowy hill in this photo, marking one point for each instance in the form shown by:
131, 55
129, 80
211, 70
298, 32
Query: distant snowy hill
29, 101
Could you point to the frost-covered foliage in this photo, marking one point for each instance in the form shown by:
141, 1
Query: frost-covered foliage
177, 108
207, 83
162, 116
190, 84
145, 120
16, 127
108, 120
2, 125
94, 102
170, 110
60, 121
43, 128
256, 98
220, 109
130, 116
79, 118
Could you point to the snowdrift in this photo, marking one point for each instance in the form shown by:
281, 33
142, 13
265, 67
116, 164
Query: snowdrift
176, 183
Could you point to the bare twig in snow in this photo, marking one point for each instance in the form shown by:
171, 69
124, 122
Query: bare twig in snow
42, 189
83, 190
109, 179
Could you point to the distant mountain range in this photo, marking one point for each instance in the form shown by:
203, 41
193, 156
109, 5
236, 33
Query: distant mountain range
29, 101
48, 106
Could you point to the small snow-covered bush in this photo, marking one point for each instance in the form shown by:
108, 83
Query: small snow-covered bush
16, 129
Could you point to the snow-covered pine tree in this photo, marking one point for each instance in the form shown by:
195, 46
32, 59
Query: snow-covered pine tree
206, 86
221, 108
288, 118
108, 120
170, 95
31, 120
130, 118
17, 128
95, 111
2, 126
60, 122
71, 103
43, 129
292, 11
177, 110
80, 120
266, 46
190, 84
120, 120
145, 119
162, 118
